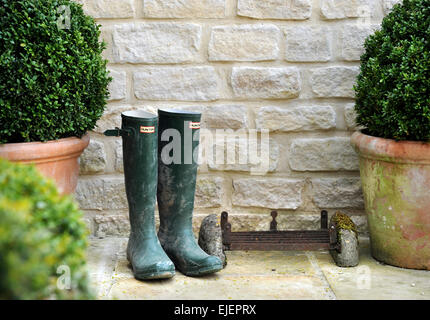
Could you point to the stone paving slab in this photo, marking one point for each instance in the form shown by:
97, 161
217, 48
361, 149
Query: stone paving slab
372, 280
222, 287
259, 275
102, 257
248, 275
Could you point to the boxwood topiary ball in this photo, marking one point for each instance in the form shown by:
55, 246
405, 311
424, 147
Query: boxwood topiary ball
53, 79
393, 88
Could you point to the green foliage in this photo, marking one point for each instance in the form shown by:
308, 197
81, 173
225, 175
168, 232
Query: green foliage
393, 88
53, 81
40, 230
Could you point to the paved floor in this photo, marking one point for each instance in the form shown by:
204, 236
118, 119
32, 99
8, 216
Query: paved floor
259, 275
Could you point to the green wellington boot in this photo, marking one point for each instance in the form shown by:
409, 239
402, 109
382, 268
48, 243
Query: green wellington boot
177, 172
139, 139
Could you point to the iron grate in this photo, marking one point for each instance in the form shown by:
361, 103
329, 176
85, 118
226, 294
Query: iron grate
322, 239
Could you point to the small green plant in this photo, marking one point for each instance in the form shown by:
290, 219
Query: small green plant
53, 79
42, 238
393, 88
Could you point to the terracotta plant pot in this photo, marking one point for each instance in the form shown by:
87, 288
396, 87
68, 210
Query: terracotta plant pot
56, 159
396, 184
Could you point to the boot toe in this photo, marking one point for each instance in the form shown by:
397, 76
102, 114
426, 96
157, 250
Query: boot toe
210, 264
159, 270
212, 261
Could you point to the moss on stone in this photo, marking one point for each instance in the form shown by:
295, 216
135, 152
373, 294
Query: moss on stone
344, 222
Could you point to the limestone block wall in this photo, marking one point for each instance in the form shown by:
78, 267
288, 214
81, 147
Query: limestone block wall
287, 66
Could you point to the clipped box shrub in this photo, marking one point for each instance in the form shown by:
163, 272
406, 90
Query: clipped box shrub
41, 232
393, 88
53, 79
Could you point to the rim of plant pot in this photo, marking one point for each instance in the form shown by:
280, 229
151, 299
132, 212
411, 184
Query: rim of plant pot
389, 150
56, 159
42, 152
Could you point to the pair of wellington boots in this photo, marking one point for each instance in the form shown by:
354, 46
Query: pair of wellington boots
159, 160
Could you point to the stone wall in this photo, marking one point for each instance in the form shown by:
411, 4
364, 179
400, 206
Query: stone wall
283, 65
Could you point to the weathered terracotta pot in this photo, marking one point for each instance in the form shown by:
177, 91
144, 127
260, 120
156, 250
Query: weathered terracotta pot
396, 184
56, 159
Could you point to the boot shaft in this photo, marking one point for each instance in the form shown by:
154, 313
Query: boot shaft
178, 142
139, 130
